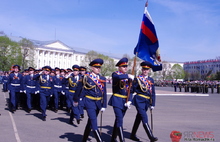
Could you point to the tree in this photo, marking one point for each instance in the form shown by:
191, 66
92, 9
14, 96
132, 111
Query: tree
178, 72
217, 76
107, 68
10, 53
187, 76
28, 51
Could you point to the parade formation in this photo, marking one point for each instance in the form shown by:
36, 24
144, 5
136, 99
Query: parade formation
77, 90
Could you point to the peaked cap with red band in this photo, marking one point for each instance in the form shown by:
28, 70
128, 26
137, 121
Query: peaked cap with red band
123, 62
146, 65
96, 63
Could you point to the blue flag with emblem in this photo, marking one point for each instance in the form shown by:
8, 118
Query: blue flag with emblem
148, 46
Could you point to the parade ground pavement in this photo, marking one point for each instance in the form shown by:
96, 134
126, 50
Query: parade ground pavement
195, 115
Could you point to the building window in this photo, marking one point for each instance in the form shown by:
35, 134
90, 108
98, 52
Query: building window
76, 58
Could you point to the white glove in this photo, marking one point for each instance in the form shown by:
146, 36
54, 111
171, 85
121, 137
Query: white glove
128, 104
41, 72
21, 91
102, 109
80, 99
63, 92
35, 92
151, 107
51, 95
25, 91
131, 76
68, 75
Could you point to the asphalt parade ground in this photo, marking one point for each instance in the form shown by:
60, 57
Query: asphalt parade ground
196, 116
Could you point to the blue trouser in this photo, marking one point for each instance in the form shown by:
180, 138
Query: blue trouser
81, 107
57, 95
29, 99
44, 99
14, 98
75, 110
92, 120
119, 115
142, 115
5, 86
68, 99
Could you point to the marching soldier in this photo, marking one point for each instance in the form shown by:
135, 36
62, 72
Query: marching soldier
15, 87
30, 86
145, 98
45, 88
5, 82
175, 86
73, 81
66, 90
93, 93
57, 91
120, 100
82, 72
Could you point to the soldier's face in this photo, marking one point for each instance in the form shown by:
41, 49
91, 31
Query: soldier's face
123, 69
57, 72
82, 72
145, 72
16, 70
75, 73
96, 70
31, 72
46, 72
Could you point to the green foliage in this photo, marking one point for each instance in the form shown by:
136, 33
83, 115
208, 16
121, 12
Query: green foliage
107, 68
217, 76
28, 51
178, 72
10, 53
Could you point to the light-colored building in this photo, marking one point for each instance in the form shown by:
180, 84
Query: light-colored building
55, 53
204, 67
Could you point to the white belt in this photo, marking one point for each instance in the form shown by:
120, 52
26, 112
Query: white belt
31, 86
57, 86
67, 87
15, 84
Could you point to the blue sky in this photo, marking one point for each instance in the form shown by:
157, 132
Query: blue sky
187, 30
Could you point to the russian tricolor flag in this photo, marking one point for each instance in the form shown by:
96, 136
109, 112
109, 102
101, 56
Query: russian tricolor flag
148, 46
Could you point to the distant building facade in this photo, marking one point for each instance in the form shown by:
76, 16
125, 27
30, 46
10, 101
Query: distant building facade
204, 67
55, 53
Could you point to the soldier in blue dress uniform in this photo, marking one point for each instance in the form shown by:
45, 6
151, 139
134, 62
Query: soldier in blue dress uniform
120, 99
92, 90
58, 88
5, 82
143, 85
73, 83
30, 87
15, 87
66, 90
45, 88
82, 72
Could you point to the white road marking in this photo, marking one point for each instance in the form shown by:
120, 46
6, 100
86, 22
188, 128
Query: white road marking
13, 124
203, 95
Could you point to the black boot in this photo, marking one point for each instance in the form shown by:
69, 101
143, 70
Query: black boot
120, 134
86, 133
71, 118
97, 135
134, 129
149, 133
114, 134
